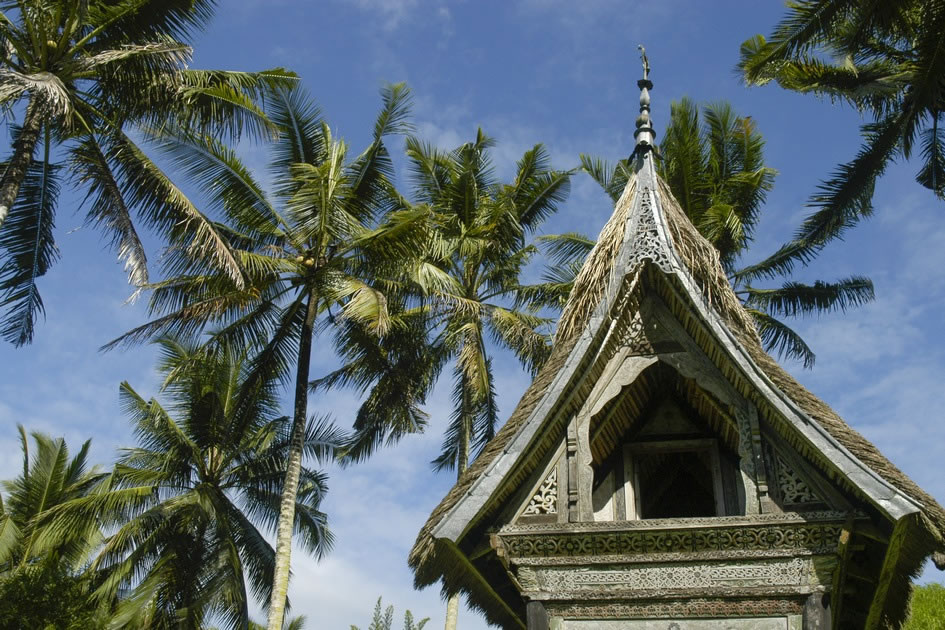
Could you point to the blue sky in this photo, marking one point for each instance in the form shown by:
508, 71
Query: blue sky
553, 71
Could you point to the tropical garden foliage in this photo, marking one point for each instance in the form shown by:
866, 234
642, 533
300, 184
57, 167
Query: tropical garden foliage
85, 83
887, 60
42, 578
713, 162
927, 608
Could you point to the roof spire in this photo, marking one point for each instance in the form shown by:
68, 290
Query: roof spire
644, 134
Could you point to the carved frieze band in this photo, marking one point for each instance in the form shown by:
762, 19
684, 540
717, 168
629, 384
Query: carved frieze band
814, 538
545, 501
695, 607
819, 517
667, 577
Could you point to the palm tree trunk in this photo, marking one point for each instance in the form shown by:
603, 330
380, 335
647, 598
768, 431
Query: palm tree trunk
462, 462
23, 150
280, 580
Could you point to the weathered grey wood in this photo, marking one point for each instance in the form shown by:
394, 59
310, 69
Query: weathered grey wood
621, 370
537, 616
620, 493
563, 485
572, 485
812, 477
817, 612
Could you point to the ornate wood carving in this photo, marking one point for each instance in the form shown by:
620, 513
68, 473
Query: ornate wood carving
646, 237
699, 607
602, 581
536, 541
545, 501
794, 490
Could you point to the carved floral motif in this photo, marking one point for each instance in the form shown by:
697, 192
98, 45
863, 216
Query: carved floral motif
695, 607
545, 501
809, 537
667, 577
646, 237
794, 490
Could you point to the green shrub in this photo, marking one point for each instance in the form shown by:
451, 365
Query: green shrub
928, 608
40, 598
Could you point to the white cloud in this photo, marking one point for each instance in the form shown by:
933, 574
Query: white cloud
390, 14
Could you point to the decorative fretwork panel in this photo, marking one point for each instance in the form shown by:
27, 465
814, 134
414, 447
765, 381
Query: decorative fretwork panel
545, 500
794, 490
646, 237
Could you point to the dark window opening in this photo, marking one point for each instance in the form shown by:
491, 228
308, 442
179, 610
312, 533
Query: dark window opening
676, 484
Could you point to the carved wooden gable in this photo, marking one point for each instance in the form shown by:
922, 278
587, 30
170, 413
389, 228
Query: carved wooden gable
662, 433
658, 476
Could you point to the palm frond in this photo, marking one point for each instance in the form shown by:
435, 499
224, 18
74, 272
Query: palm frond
107, 207
780, 339
794, 298
166, 208
27, 250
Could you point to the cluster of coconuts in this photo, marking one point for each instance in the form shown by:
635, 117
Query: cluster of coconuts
302, 260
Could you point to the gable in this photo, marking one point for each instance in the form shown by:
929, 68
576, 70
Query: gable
668, 354
610, 352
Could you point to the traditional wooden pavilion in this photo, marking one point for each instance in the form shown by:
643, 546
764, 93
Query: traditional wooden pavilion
663, 472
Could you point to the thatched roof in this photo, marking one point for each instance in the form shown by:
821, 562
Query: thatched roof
698, 265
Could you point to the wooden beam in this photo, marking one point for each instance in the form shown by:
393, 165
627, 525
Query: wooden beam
537, 616
857, 572
474, 572
817, 612
840, 573
868, 530
888, 573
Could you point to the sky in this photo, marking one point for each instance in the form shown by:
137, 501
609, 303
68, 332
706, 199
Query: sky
558, 72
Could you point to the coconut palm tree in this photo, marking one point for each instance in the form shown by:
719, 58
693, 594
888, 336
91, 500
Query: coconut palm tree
77, 76
472, 240
715, 168
49, 478
41, 576
305, 250
459, 291
883, 58
189, 505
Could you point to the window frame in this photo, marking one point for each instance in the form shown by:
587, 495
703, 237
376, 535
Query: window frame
631, 483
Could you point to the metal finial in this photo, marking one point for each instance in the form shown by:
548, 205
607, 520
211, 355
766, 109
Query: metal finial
644, 134
646, 62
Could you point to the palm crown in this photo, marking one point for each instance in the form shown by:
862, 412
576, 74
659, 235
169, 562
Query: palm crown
458, 290
78, 75
49, 478
310, 247
186, 505
884, 58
